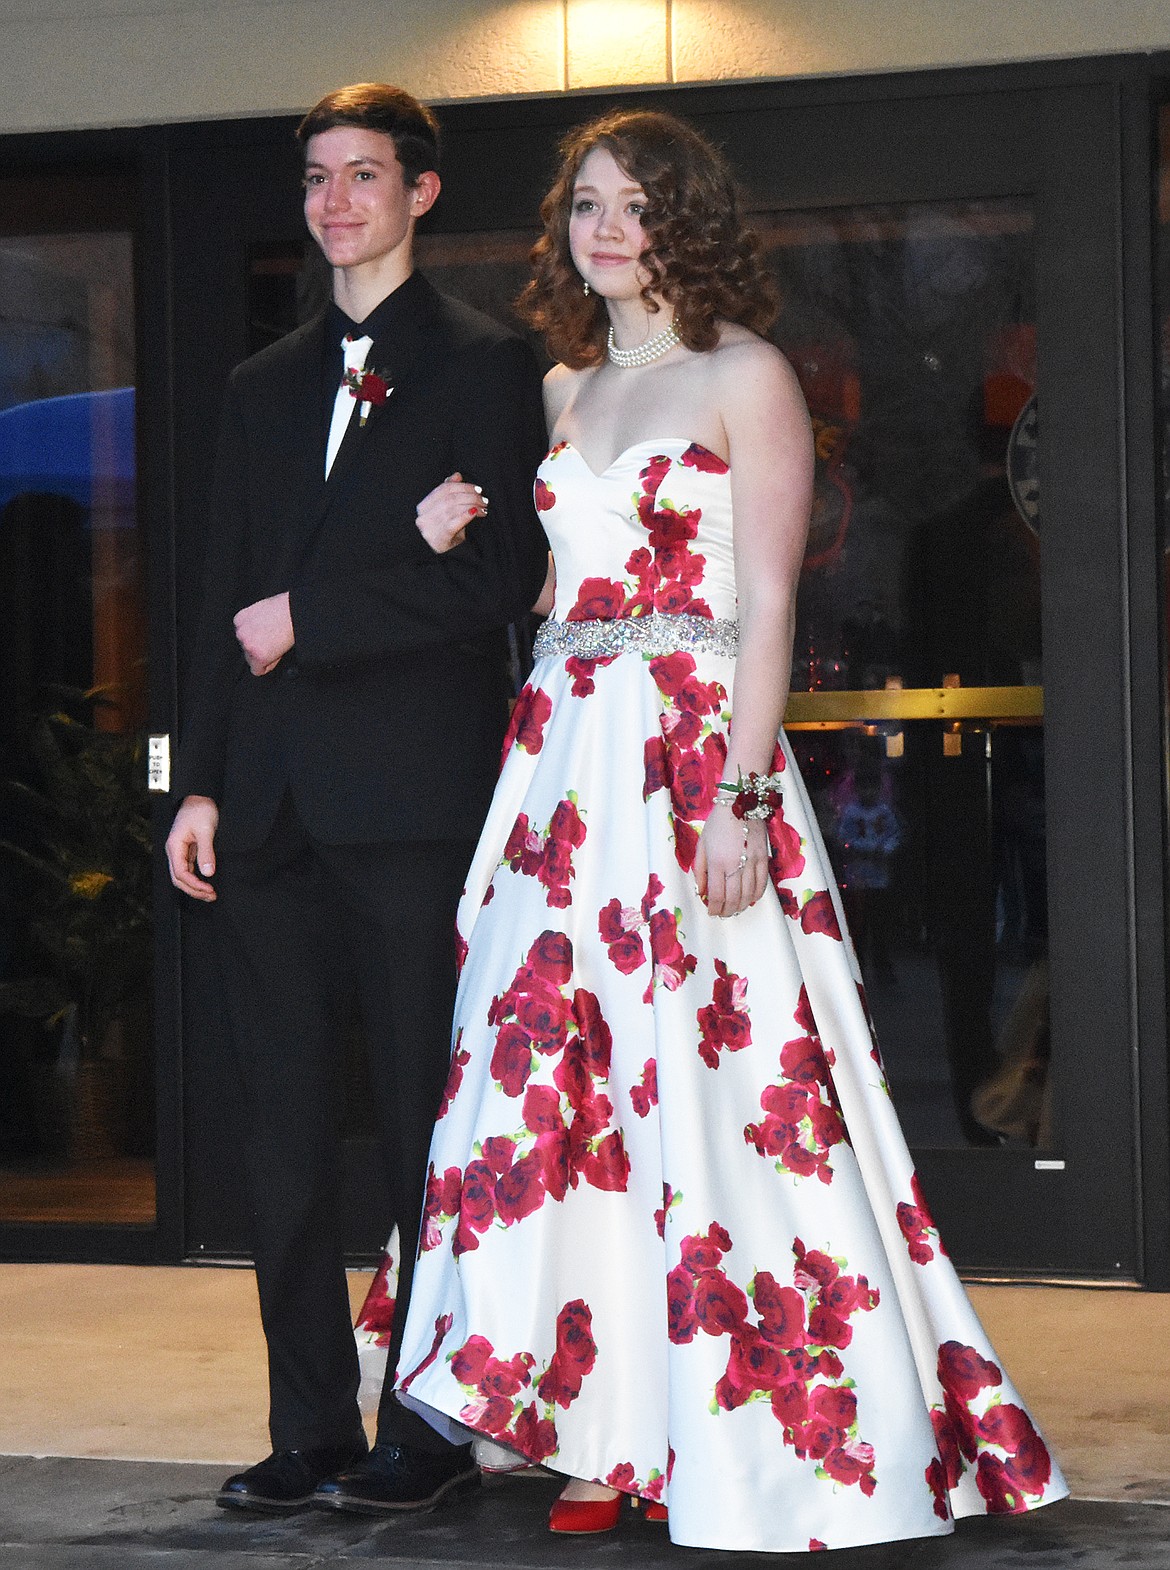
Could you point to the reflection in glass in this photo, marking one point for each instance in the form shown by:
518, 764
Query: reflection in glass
911, 330
76, 1097
289, 284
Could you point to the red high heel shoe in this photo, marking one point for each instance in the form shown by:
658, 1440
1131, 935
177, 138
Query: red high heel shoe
581, 1517
653, 1511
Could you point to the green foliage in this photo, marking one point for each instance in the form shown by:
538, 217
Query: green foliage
84, 844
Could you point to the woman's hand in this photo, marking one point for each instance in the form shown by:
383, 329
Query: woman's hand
731, 863
442, 516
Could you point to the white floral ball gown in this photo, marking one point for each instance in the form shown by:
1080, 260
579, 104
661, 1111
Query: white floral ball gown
673, 1238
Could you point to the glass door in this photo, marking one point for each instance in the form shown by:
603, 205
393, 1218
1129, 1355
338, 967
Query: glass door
77, 1118
917, 712
957, 692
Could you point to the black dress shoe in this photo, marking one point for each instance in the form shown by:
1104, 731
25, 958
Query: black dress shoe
286, 1479
398, 1477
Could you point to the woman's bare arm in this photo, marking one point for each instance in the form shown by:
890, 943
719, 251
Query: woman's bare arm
771, 454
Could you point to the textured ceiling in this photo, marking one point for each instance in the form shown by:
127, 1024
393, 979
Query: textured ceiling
86, 10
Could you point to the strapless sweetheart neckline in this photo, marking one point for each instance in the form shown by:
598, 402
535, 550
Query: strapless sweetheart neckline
684, 442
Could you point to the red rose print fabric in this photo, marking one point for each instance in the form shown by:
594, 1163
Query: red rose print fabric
801, 1119
547, 854
673, 1240
372, 1325
530, 715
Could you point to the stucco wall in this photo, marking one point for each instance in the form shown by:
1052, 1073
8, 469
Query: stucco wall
68, 63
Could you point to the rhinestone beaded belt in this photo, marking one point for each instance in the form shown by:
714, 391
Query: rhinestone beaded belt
647, 635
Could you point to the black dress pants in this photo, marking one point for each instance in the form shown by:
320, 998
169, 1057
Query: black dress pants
304, 929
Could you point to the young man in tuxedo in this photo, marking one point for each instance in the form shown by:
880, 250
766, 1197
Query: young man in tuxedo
346, 705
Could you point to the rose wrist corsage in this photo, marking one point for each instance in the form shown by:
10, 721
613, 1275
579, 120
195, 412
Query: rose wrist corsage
752, 797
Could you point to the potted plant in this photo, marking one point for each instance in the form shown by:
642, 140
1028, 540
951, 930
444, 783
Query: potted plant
82, 838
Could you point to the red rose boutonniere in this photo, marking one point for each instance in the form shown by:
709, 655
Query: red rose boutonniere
369, 388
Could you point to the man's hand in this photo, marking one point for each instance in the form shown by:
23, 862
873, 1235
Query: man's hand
191, 846
265, 633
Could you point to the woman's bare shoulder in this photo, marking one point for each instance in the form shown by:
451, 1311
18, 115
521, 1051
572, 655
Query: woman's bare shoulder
746, 365
560, 388
741, 349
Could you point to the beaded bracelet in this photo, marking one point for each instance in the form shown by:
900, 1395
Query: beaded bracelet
753, 796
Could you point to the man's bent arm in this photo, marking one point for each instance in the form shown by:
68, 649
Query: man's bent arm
481, 585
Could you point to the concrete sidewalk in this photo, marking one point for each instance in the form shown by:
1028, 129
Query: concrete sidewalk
141, 1388
153, 1363
61, 1514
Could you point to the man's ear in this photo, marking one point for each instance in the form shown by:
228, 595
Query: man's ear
424, 193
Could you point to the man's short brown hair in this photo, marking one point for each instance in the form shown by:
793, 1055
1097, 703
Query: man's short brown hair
376, 106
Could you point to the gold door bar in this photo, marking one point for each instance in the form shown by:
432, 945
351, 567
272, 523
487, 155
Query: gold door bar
835, 710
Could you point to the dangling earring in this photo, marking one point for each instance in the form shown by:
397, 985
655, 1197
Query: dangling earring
585, 289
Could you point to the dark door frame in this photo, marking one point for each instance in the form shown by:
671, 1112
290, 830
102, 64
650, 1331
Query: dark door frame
1118, 94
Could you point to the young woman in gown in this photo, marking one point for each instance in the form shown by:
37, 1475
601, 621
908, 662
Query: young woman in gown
674, 1245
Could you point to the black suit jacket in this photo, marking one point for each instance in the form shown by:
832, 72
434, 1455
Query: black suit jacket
385, 721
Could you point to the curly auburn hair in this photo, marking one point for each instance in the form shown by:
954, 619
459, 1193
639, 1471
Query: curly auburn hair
704, 260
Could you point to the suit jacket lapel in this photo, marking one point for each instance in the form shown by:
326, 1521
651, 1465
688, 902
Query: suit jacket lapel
305, 437
396, 359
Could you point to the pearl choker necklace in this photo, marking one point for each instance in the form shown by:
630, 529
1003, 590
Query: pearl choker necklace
645, 353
